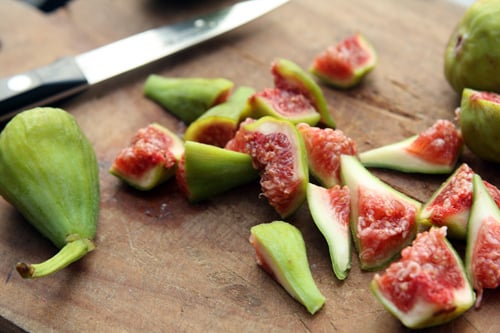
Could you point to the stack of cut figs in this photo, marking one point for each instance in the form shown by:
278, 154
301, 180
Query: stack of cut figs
285, 137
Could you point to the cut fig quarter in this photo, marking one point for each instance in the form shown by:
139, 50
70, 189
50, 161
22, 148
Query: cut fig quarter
278, 152
150, 159
382, 219
482, 258
324, 147
187, 98
50, 174
450, 204
433, 151
206, 170
428, 285
281, 252
345, 64
330, 209
290, 77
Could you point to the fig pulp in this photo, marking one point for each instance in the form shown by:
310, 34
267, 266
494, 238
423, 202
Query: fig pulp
324, 146
479, 121
219, 124
383, 220
482, 258
435, 150
344, 65
150, 159
450, 204
330, 209
278, 152
50, 174
428, 285
206, 170
281, 252
187, 98
472, 56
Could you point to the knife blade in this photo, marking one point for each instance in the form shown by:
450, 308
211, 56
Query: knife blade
72, 74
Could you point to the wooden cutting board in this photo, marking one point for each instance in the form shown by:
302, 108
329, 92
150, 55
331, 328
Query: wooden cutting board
164, 265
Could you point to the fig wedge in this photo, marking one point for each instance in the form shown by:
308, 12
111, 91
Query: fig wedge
291, 77
482, 258
330, 210
433, 151
278, 152
324, 147
450, 204
281, 252
345, 64
383, 220
150, 159
428, 285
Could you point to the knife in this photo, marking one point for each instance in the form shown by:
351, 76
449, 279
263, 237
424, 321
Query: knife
72, 74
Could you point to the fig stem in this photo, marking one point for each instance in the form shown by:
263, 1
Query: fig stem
70, 253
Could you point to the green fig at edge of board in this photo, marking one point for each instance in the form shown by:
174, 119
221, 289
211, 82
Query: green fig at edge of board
49, 173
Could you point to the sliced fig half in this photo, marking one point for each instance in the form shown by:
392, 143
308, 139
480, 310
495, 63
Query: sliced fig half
278, 152
434, 151
450, 204
330, 209
291, 77
383, 220
428, 286
324, 147
345, 64
206, 170
281, 252
150, 158
187, 98
219, 124
482, 259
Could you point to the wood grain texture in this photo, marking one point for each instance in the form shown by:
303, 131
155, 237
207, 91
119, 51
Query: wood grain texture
163, 265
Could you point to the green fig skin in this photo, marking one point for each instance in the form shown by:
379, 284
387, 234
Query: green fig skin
479, 121
220, 122
472, 56
187, 98
50, 174
207, 170
281, 251
290, 76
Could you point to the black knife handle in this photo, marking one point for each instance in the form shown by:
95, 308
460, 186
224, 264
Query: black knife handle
40, 86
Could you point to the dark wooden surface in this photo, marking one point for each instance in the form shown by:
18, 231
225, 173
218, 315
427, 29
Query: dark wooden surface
163, 265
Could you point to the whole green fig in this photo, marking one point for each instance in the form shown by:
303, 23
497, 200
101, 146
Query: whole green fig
49, 172
472, 56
